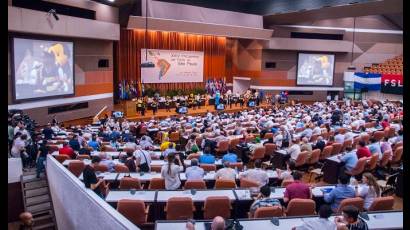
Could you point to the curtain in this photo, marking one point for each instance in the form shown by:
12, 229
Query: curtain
129, 55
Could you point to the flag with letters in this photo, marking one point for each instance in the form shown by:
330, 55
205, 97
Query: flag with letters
367, 81
392, 83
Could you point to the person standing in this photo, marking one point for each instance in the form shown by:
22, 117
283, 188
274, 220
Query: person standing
41, 158
170, 172
154, 106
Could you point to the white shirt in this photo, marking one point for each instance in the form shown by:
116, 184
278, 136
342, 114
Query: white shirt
225, 173
339, 138
317, 131
257, 175
194, 173
294, 151
172, 180
348, 136
367, 194
18, 145
319, 223
140, 154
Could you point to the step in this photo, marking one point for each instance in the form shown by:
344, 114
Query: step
35, 184
37, 199
36, 192
33, 177
43, 213
39, 207
45, 226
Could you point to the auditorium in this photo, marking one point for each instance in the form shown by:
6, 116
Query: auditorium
192, 115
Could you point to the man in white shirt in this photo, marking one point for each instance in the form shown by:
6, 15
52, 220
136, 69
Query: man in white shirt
256, 174
225, 172
339, 138
294, 150
322, 222
142, 157
194, 172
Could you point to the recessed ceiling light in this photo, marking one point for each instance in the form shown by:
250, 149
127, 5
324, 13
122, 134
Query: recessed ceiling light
111, 0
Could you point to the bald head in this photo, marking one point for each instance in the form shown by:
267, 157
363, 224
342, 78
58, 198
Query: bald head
26, 218
218, 223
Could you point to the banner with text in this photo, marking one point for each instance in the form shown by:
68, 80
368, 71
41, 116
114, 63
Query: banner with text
172, 66
392, 83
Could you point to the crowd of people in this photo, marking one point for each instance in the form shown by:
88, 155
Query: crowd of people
289, 127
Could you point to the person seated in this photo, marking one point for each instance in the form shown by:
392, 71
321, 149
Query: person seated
126, 136
170, 149
350, 219
263, 200
320, 144
129, 161
207, 157
194, 172
331, 141
375, 147
74, 144
322, 222
287, 174
297, 189
339, 138
93, 143
226, 172
339, 193
191, 143
90, 178
294, 150
230, 156
369, 190
67, 150
349, 158
256, 145
146, 142
218, 223
306, 146
165, 144
48, 132
307, 132
362, 150
385, 123
130, 144
385, 145
256, 174
106, 161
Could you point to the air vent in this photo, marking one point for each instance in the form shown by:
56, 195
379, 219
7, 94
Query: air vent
103, 63
60, 9
68, 107
270, 65
316, 36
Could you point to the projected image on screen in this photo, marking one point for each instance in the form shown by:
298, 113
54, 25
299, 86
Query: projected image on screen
315, 69
42, 68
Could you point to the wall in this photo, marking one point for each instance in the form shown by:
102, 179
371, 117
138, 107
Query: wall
15, 202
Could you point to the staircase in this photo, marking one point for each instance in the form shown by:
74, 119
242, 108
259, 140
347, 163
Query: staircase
37, 200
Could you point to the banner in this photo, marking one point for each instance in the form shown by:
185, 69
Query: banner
392, 83
367, 81
172, 66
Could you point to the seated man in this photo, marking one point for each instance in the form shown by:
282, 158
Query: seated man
320, 143
226, 172
297, 189
257, 174
67, 150
339, 138
322, 222
263, 200
170, 149
350, 219
349, 158
287, 174
194, 172
375, 148
255, 146
362, 150
93, 143
230, 156
106, 161
90, 179
294, 150
306, 146
207, 157
146, 142
339, 193
218, 223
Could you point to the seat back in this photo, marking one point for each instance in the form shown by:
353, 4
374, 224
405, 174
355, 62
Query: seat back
382, 204
61, 158
314, 137
224, 183
53, 148
83, 156
249, 138
179, 208
286, 183
174, 137
365, 138
109, 148
223, 146
356, 201
269, 149
372, 163
268, 135
195, 184
359, 168
385, 158
397, 154
392, 132
327, 151
234, 142
398, 144
157, 183
130, 183
314, 157
156, 168
301, 207
217, 206
378, 135
266, 212
128, 150
387, 132
346, 143
121, 168
101, 168
247, 183
238, 165
337, 147
356, 142
133, 210
193, 155
259, 153
76, 167
208, 167
302, 158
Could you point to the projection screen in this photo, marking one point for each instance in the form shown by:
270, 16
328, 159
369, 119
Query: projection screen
315, 69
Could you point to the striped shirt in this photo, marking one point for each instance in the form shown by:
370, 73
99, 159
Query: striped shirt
264, 202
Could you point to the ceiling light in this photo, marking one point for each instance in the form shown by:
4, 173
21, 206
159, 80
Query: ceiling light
111, 0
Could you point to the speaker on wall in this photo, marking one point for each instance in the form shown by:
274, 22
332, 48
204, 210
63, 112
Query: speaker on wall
103, 63
270, 65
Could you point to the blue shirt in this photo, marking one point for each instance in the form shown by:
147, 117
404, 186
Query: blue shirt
339, 193
74, 144
350, 160
206, 159
94, 144
274, 130
230, 157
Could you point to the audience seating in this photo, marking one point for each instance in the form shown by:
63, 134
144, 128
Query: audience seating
372, 163
385, 159
121, 169
234, 142
128, 150
193, 155
301, 207
130, 183
356, 201
195, 184
223, 147
327, 151
238, 165
337, 147
382, 204
61, 158
365, 138
208, 167
314, 157
266, 212
223, 183
110, 149
359, 168
156, 168
76, 167
134, 210
174, 137
356, 141
346, 144
268, 135
53, 148
157, 183
246, 183
217, 206
269, 150
378, 135
258, 153
179, 208
83, 156
101, 168
397, 155
286, 183
302, 158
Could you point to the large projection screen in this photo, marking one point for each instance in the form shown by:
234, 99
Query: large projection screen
172, 66
315, 69
42, 68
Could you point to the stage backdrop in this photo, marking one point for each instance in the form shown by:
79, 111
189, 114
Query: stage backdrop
132, 41
172, 66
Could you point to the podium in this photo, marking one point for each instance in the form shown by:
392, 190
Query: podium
129, 108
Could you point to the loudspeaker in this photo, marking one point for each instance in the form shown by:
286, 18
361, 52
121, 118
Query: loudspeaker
103, 63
